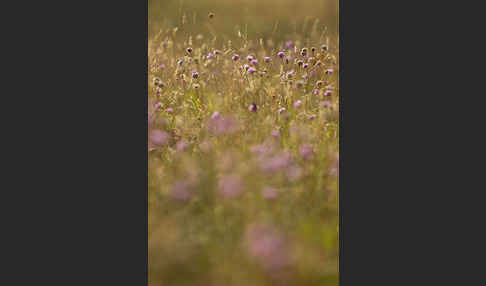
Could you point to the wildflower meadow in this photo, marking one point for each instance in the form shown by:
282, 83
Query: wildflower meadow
243, 129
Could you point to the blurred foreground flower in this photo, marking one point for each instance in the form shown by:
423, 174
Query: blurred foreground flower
305, 151
180, 191
230, 186
221, 125
268, 246
159, 137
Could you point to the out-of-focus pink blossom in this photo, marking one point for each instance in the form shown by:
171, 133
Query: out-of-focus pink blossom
230, 186
269, 193
180, 191
221, 125
306, 151
181, 145
277, 162
159, 137
268, 246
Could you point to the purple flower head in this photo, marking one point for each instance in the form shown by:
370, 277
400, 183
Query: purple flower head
169, 110
305, 151
298, 103
329, 71
290, 74
267, 59
277, 162
165, 44
235, 57
158, 105
180, 191
294, 173
280, 110
269, 193
221, 125
275, 133
254, 62
230, 186
159, 137
161, 67
311, 116
215, 115
181, 145
325, 104
262, 73
306, 65
327, 93
210, 56
253, 107
316, 91
281, 55
249, 58
251, 70
246, 67
289, 44
268, 246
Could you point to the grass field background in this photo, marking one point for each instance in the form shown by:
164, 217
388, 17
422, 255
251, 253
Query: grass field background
243, 152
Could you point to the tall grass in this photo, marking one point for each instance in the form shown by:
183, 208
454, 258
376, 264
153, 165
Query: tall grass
243, 156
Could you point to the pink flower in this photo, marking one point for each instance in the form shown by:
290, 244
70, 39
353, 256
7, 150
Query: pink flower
325, 104
180, 191
215, 115
230, 186
305, 151
268, 246
298, 103
276, 163
159, 137
221, 125
181, 146
269, 193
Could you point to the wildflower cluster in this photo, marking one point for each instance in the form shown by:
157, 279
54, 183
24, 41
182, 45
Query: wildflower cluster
243, 149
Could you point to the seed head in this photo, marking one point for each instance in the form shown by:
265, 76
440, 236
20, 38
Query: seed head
189, 50
303, 52
211, 15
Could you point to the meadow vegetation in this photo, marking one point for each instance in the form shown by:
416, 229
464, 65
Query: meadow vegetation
243, 132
